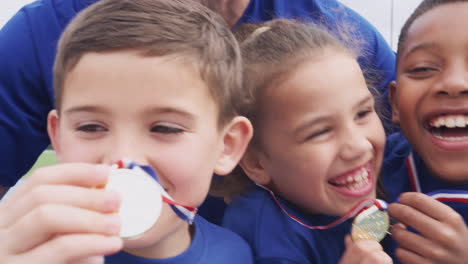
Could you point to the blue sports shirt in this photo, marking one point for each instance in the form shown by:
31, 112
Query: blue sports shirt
210, 244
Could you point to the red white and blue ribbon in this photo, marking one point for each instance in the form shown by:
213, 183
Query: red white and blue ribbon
459, 196
187, 213
412, 173
381, 205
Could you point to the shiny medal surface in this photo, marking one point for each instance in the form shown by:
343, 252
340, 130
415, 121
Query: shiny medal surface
370, 224
141, 201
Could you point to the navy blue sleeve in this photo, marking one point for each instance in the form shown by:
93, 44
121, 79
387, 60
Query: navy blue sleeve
25, 100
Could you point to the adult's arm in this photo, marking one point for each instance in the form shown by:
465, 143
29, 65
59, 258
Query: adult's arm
26, 96
377, 58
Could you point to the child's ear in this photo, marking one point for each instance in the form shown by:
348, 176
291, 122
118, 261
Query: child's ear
236, 138
53, 130
252, 166
393, 102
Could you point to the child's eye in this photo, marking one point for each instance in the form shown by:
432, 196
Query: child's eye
318, 133
91, 128
364, 113
166, 129
421, 72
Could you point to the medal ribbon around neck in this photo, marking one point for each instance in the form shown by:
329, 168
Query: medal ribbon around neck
187, 213
459, 196
412, 173
380, 204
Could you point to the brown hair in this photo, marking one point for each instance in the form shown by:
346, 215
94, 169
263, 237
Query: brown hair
422, 8
157, 28
271, 51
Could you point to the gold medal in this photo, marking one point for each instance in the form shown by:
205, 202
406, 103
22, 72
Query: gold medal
370, 224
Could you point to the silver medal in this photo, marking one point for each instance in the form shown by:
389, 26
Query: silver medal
141, 201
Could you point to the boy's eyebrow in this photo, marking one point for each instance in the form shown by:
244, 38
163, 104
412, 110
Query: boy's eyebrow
169, 110
85, 108
422, 46
150, 111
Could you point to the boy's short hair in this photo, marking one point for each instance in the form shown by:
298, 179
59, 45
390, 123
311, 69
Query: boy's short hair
157, 28
421, 9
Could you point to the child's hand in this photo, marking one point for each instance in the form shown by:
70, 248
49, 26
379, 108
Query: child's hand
443, 234
57, 217
364, 252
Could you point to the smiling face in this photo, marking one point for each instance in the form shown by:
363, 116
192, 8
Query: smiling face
153, 110
319, 140
430, 100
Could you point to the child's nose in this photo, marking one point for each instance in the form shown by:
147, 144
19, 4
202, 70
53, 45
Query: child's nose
454, 82
126, 149
355, 145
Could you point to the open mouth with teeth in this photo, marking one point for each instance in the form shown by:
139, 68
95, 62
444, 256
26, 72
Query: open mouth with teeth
449, 127
355, 182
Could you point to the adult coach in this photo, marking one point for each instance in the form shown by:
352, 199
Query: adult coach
27, 51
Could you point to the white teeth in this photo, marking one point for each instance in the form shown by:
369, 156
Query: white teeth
453, 139
460, 121
359, 179
440, 122
365, 174
450, 121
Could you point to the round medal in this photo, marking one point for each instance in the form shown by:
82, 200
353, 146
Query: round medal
370, 224
141, 201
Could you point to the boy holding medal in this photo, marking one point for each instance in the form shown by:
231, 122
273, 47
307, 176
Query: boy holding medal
154, 81
429, 157
316, 152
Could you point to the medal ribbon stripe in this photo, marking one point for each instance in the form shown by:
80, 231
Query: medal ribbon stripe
381, 205
412, 173
450, 196
458, 196
187, 213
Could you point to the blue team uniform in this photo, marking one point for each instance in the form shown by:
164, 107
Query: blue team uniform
210, 244
27, 51
276, 238
404, 171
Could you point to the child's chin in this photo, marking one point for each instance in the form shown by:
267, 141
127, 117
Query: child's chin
453, 171
166, 230
143, 241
